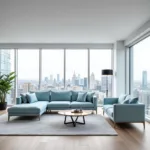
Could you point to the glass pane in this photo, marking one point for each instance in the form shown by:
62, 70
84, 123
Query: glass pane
99, 60
28, 70
76, 69
7, 66
141, 73
52, 69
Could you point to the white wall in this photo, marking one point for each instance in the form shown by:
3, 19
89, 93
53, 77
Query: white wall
119, 68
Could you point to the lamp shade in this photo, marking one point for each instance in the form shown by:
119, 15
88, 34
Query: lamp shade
107, 72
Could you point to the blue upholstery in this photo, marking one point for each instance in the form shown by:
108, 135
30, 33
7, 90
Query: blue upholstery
129, 113
58, 104
89, 96
133, 100
31, 97
36, 108
75, 105
59, 101
24, 98
74, 95
60, 96
81, 97
43, 96
121, 98
120, 113
108, 101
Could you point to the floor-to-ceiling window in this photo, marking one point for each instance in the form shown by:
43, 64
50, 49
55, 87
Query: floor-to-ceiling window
28, 70
70, 69
7, 66
77, 69
52, 69
100, 59
140, 72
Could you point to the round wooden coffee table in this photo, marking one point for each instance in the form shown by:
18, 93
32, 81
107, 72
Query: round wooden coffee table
76, 115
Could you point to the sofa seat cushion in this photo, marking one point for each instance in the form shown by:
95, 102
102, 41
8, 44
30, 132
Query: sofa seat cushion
32, 108
109, 110
82, 105
58, 104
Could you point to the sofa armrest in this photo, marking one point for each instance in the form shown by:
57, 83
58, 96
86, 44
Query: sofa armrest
18, 100
110, 101
129, 113
95, 101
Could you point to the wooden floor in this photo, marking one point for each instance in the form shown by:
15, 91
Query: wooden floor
130, 137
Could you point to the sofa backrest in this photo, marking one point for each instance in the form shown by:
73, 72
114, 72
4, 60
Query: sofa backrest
61, 95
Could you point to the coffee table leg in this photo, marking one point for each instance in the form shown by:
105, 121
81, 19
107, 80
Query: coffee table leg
80, 122
72, 122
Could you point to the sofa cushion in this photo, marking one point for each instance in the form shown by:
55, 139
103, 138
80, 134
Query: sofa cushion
59, 104
43, 96
108, 109
60, 96
23, 98
81, 97
74, 95
134, 100
82, 105
127, 100
89, 96
32, 108
121, 98
31, 97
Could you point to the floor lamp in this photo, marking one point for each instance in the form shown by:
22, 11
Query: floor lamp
107, 72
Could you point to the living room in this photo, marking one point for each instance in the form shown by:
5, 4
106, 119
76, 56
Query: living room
74, 71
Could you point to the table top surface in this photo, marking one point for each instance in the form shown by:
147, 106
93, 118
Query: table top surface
70, 113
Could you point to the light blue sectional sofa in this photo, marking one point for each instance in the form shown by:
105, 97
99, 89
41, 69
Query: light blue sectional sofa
35, 104
124, 109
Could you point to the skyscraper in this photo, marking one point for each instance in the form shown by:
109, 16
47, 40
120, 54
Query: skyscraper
144, 79
5, 64
51, 79
58, 78
92, 81
85, 83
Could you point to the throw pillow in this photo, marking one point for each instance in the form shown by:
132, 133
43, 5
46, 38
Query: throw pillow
24, 98
134, 100
89, 96
121, 98
31, 98
127, 100
81, 97
74, 95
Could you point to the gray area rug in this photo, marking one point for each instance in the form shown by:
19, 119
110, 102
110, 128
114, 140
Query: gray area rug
53, 124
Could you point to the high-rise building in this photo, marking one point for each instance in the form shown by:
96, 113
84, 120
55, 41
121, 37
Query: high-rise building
5, 61
73, 78
85, 82
92, 81
51, 79
144, 79
58, 78
46, 79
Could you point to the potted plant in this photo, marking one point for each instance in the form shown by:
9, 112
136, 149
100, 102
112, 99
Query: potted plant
6, 81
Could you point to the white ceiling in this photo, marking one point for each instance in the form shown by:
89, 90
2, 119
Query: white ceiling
70, 21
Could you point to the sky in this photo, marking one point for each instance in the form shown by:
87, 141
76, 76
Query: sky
53, 63
141, 59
